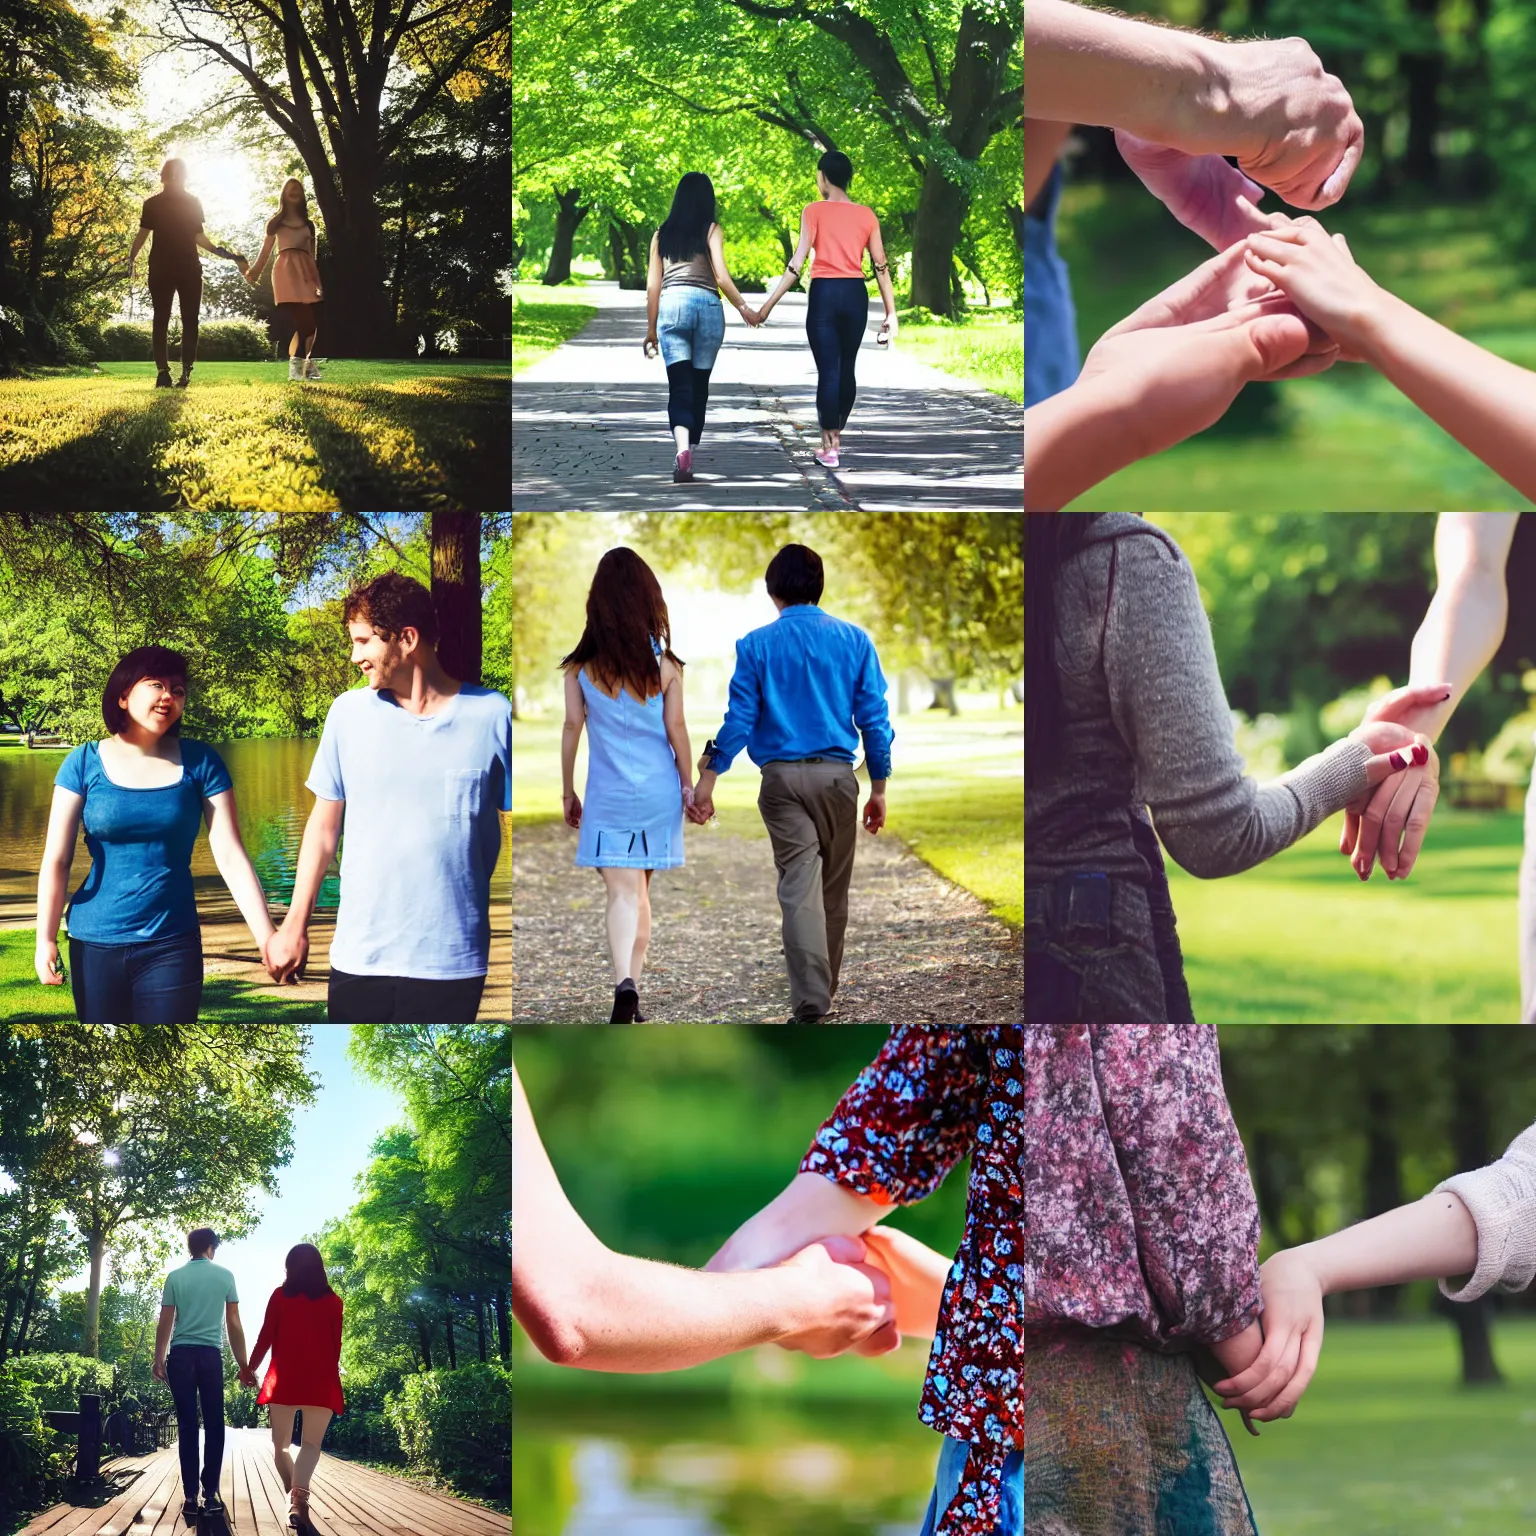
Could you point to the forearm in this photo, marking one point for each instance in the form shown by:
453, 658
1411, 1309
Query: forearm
887, 295
682, 750
52, 881
1461, 631
568, 741
1071, 442
1042, 143
163, 1336
315, 855
1485, 402
234, 864
810, 1207
1427, 1240
237, 1345
652, 303
138, 244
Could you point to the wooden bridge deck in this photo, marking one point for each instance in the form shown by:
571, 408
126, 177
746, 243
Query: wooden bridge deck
345, 1500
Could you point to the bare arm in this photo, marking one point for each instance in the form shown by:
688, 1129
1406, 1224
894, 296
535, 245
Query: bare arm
584, 1305
140, 236
809, 1207
236, 1333
722, 274
570, 738
882, 275
677, 729
234, 864
322, 834
652, 290
792, 271
163, 1339
53, 879
1042, 143
253, 272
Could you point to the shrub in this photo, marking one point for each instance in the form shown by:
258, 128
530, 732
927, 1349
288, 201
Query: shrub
218, 341
458, 1424
240, 1409
364, 1432
58, 1380
24, 1443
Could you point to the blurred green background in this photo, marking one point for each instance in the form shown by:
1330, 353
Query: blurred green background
666, 1140
1442, 212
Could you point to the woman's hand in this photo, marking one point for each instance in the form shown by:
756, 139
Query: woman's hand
1236, 1354
1317, 273
650, 346
846, 1303
887, 332
1271, 1384
1394, 818
46, 962
571, 804
917, 1274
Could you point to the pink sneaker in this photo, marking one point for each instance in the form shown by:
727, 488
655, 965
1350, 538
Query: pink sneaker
827, 460
682, 468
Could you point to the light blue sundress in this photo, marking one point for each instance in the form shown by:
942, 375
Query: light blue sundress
632, 813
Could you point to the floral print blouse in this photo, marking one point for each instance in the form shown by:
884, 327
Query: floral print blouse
1139, 1211
932, 1096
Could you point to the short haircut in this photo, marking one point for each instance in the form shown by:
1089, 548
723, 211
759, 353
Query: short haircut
794, 575
145, 661
836, 167
392, 602
203, 1237
173, 165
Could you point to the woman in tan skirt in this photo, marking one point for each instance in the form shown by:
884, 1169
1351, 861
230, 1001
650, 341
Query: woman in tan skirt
295, 277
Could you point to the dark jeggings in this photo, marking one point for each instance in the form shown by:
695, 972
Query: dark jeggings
157, 982
401, 1000
834, 325
195, 1373
687, 396
183, 280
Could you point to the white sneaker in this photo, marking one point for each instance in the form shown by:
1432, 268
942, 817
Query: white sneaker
312, 369
295, 369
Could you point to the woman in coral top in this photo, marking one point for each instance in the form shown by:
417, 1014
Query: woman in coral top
840, 230
303, 1330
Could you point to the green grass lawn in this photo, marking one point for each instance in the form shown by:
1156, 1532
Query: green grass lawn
543, 318
956, 796
24, 999
370, 435
1388, 1443
1345, 441
1301, 940
987, 349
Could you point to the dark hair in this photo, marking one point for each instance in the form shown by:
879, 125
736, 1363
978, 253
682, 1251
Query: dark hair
203, 1237
685, 230
836, 167
1051, 539
145, 661
306, 1273
165, 170
794, 575
282, 211
625, 614
391, 603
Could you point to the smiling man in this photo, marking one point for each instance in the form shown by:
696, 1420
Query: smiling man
412, 769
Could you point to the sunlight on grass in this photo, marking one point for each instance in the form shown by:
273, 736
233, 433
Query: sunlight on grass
986, 349
541, 322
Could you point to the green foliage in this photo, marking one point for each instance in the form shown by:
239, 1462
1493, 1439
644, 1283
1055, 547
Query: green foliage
24, 1443
240, 1410
218, 341
365, 1433
982, 348
458, 1425
57, 1381
539, 326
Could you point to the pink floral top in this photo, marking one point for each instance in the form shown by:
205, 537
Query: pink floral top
1139, 1212
932, 1096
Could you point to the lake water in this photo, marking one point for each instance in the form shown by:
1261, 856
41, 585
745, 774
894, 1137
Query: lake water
270, 797
718, 1467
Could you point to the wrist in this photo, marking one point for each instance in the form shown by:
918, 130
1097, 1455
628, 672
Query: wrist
1369, 326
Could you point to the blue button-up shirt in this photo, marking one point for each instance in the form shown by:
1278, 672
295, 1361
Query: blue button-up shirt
807, 685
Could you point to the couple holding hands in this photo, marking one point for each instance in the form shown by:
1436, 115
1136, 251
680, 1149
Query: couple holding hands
685, 321
1282, 298
1143, 1275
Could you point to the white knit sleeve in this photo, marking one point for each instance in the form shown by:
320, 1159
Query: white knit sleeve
1502, 1200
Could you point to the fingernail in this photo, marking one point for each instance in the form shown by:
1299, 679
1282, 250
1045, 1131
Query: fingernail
1397, 760
1420, 754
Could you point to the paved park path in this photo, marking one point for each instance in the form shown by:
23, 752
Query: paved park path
919, 950
589, 426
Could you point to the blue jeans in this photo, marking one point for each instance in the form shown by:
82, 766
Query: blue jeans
690, 325
1010, 1511
157, 982
835, 317
195, 1373
1050, 322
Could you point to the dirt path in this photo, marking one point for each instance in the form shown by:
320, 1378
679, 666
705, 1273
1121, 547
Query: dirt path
919, 950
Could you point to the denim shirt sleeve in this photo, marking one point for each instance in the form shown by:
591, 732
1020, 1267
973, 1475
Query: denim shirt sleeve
907, 1118
871, 715
741, 711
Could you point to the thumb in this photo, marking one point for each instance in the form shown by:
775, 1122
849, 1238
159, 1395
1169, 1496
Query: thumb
1270, 343
1385, 764
846, 1250
1402, 701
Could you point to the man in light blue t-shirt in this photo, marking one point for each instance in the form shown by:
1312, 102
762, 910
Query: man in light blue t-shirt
198, 1302
414, 769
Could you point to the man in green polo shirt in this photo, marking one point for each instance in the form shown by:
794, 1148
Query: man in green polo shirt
198, 1301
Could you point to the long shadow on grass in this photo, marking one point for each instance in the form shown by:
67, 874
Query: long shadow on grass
24, 1000
464, 443
112, 467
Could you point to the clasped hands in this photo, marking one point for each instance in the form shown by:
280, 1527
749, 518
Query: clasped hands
285, 953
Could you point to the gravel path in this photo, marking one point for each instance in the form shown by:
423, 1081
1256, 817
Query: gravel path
919, 950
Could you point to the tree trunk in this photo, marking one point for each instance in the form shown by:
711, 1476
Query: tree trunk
568, 216
503, 1328
1469, 1138
480, 1324
425, 1339
357, 317
944, 694
26, 1313
12, 1292
98, 1246
1423, 72
453, 1353
456, 593
940, 212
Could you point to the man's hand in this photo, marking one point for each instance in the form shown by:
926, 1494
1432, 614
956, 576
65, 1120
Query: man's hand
287, 952
848, 1301
874, 813
158, 1370
1203, 192
700, 808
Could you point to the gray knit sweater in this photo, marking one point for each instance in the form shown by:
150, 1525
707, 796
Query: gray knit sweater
1502, 1200
1146, 724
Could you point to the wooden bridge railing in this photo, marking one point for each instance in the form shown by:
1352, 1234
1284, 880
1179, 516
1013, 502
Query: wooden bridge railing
85, 1425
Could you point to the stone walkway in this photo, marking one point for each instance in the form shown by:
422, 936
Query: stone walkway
589, 426
919, 950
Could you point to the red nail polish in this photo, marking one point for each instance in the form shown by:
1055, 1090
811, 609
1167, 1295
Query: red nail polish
1397, 760
1420, 754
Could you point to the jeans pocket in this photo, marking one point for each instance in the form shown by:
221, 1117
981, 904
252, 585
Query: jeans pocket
461, 793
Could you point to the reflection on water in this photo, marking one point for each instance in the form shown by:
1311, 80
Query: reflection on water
270, 797
718, 1468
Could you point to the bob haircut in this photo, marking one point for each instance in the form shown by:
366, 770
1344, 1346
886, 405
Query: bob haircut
836, 167
794, 575
146, 661
306, 1273
201, 1238
391, 603
684, 232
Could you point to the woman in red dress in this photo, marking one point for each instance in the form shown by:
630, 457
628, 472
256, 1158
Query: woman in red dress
303, 1330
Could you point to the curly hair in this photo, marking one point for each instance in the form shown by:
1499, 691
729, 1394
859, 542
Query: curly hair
391, 603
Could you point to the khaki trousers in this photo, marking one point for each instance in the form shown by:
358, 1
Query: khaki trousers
811, 811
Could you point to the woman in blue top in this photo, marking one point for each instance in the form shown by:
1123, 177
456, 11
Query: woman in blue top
624, 684
135, 948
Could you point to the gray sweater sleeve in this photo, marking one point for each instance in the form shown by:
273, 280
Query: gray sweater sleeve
1170, 708
1502, 1200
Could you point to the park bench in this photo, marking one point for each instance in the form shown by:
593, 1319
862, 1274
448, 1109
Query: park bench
86, 1426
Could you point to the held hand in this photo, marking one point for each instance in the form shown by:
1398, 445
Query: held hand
1205, 193
1393, 820
1234, 1355
1422, 709
849, 1299
874, 814
1272, 1385
700, 807
571, 804
46, 962
1317, 273
158, 1369
287, 952
273, 969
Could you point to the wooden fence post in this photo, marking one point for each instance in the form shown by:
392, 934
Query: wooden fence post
88, 1460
